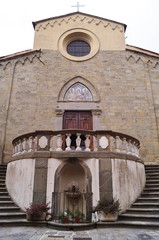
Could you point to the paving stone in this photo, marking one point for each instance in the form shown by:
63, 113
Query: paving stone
36, 233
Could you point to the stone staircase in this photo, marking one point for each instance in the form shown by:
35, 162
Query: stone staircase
145, 210
9, 212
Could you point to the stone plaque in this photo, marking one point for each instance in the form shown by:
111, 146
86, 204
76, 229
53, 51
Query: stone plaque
43, 142
103, 142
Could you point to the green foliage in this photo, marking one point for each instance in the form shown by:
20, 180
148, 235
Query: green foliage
79, 214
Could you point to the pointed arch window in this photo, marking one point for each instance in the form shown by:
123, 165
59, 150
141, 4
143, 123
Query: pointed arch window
78, 92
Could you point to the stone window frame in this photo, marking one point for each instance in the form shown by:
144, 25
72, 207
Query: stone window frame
78, 34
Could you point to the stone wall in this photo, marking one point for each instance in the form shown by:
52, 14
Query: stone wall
125, 81
128, 180
20, 181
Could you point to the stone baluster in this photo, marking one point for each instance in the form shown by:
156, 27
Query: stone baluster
68, 142
31, 144
59, 142
19, 146
129, 147
112, 144
51, 143
117, 144
133, 149
95, 143
87, 143
16, 148
24, 145
35, 143
78, 142
137, 150
124, 145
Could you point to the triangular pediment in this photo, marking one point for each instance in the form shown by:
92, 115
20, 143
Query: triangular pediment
75, 15
48, 32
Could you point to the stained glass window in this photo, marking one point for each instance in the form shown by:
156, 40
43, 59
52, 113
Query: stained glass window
78, 92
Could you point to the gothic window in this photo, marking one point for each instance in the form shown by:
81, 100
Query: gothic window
78, 92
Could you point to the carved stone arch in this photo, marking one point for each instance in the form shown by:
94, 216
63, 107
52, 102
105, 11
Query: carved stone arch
85, 82
76, 161
73, 172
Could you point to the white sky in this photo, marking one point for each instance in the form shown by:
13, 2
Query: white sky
16, 17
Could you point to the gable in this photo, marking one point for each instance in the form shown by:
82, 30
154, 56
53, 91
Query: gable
110, 34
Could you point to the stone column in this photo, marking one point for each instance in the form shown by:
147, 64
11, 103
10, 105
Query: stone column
59, 119
40, 180
96, 115
105, 179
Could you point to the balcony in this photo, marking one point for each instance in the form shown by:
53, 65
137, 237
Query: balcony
74, 143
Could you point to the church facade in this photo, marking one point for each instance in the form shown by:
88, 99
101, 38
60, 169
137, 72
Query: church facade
79, 112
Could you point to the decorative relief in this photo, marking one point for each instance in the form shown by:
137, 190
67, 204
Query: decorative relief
133, 58
21, 60
103, 142
81, 18
43, 141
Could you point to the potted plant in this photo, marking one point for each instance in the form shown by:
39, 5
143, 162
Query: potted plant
65, 216
78, 216
37, 212
108, 210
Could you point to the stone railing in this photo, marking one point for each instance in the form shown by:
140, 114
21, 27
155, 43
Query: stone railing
75, 140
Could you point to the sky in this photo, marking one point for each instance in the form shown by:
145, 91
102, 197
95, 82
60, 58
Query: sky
16, 17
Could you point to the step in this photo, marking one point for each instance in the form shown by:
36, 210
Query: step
152, 181
3, 189
2, 185
139, 217
155, 174
2, 181
146, 205
12, 215
147, 199
3, 166
151, 170
151, 166
143, 211
151, 189
150, 194
151, 185
9, 209
4, 193
6, 203
3, 177
4, 198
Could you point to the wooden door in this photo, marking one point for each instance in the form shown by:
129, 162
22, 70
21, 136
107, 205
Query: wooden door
77, 120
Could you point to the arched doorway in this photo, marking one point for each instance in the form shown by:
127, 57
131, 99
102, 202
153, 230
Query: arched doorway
73, 189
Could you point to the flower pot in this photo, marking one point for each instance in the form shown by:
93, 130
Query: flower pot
41, 217
65, 220
77, 220
108, 217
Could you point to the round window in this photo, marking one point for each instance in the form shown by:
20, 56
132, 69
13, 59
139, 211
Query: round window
78, 48
78, 44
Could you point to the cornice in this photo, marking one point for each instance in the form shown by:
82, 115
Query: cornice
80, 17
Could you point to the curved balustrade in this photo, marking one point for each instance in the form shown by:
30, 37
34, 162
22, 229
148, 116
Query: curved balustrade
75, 140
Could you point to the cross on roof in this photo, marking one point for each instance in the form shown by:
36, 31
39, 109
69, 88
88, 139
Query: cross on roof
78, 6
